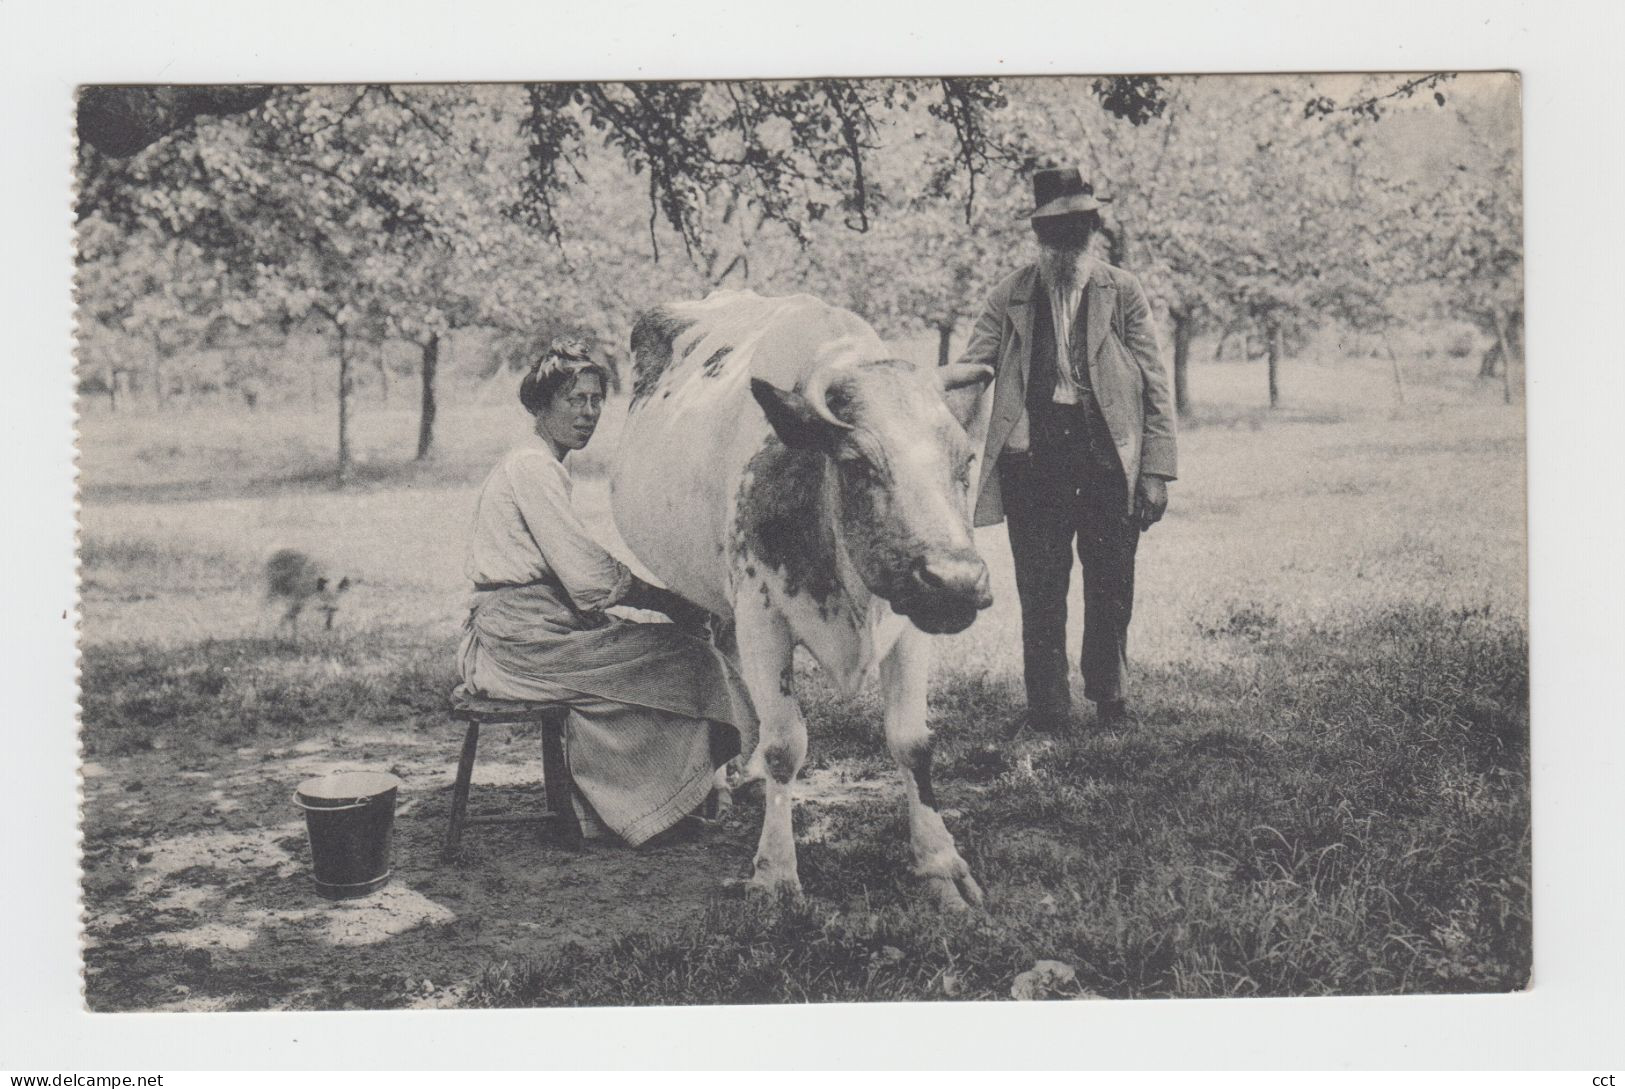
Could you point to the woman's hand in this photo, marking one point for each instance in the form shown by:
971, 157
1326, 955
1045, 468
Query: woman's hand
683, 612
687, 615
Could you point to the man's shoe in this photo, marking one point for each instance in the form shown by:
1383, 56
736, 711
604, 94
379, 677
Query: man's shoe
1111, 714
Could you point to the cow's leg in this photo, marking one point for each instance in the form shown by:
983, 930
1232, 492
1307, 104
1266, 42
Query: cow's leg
745, 768
765, 659
903, 676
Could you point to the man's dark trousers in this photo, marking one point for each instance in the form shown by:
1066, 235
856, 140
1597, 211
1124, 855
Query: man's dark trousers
1068, 489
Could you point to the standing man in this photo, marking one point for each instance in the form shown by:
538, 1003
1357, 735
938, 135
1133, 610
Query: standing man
1080, 446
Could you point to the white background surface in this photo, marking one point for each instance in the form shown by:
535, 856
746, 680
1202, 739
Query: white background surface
1569, 56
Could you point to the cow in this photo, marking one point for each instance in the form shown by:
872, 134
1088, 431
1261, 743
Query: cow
781, 468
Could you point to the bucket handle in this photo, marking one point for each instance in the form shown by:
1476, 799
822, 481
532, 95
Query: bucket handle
359, 803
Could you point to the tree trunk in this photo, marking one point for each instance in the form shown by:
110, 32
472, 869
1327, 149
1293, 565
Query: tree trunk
1505, 342
1486, 365
383, 374
1276, 343
1399, 376
1183, 328
112, 389
158, 392
344, 409
431, 360
945, 332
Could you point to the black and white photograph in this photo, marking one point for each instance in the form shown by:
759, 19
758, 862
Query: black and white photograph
816, 540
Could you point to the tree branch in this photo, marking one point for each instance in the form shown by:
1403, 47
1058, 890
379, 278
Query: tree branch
1371, 106
340, 119
389, 93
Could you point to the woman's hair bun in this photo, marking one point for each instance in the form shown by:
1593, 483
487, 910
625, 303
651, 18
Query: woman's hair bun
570, 349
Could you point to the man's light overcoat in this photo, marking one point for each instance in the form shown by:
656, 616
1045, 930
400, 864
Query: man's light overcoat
1126, 371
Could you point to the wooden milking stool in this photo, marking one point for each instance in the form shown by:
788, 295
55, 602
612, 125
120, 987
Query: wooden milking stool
479, 711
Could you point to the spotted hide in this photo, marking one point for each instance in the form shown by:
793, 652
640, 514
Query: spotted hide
781, 468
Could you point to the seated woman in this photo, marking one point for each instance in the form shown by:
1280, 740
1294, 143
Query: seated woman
644, 699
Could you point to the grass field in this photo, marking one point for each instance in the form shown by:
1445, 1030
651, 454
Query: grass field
1326, 791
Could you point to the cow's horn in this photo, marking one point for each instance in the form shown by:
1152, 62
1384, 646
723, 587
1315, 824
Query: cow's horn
960, 375
816, 390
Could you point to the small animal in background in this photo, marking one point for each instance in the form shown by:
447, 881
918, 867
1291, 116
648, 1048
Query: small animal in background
295, 580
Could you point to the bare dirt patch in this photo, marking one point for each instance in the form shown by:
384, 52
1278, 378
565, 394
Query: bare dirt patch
198, 896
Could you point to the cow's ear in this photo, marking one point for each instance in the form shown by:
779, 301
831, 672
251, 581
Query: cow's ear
793, 419
344, 584
963, 385
321, 584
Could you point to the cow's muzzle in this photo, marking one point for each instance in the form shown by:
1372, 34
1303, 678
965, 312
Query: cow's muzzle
944, 593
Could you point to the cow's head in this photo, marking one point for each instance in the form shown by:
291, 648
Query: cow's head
903, 470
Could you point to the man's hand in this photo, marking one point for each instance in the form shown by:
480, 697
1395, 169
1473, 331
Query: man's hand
1150, 500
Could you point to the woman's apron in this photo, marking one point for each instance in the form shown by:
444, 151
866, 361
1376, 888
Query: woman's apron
641, 699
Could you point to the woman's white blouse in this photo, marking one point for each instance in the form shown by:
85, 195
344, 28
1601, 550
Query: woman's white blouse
525, 526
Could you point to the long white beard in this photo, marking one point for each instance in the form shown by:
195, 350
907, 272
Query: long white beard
1061, 268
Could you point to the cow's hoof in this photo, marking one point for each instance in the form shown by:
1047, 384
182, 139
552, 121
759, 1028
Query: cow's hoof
771, 887
956, 893
970, 890
761, 892
951, 883
773, 892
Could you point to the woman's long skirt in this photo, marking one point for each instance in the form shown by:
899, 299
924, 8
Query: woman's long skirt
642, 699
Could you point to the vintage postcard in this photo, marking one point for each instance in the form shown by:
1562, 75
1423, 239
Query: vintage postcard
823, 540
